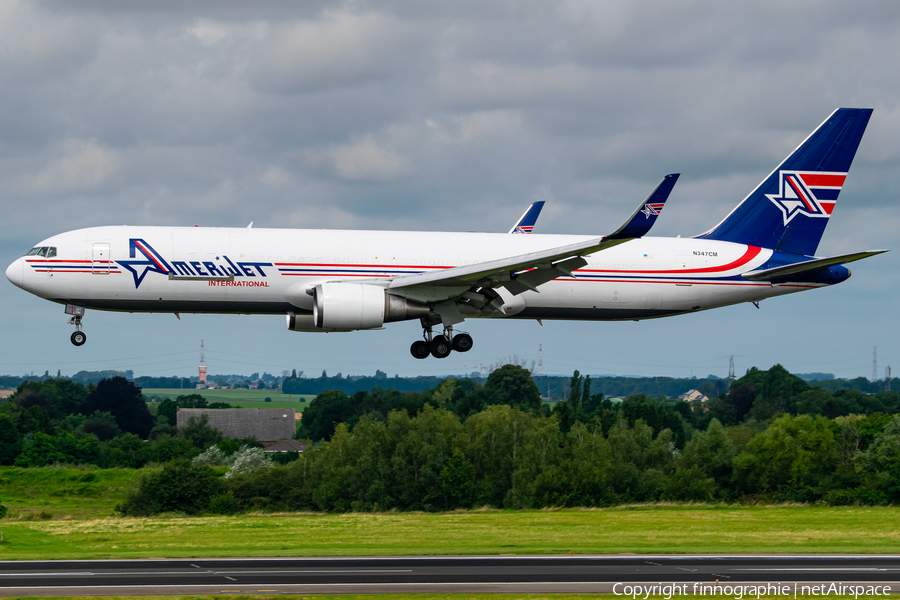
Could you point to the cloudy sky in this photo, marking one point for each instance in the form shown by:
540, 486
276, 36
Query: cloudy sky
442, 116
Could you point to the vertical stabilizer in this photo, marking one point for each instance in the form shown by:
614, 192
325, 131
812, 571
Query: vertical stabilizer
789, 210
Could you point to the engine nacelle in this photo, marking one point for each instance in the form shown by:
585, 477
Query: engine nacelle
348, 306
353, 306
305, 323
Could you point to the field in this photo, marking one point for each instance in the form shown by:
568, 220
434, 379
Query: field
641, 529
68, 513
486, 596
237, 398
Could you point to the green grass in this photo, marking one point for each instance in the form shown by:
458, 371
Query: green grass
81, 502
487, 596
64, 493
636, 529
242, 398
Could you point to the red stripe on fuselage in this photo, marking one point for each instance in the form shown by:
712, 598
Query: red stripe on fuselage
367, 266
751, 253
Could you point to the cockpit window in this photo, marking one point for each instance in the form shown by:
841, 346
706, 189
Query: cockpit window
45, 251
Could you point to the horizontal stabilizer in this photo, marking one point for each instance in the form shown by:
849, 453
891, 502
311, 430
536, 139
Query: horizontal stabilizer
808, 265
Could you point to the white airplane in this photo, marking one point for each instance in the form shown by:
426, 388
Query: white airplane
329, 280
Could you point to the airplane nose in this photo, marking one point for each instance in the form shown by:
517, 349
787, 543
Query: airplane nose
15, 272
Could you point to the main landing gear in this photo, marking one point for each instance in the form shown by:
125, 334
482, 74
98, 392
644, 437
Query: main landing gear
78, 338
440, 346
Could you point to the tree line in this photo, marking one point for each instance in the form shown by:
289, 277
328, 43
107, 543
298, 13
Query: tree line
770, 437
108, 425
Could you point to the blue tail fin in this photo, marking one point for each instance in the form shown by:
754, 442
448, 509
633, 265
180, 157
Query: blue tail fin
789, 210
526, 222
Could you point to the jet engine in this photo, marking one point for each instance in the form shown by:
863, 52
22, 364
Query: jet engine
352, 306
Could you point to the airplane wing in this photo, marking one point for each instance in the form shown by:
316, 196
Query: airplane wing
808, 265
526, 222
528, 271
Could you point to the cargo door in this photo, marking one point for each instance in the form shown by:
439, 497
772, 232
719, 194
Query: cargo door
100, 263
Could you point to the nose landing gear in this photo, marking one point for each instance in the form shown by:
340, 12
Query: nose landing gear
78, 338
440, 346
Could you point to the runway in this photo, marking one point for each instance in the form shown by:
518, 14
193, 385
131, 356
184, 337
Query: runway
459, 574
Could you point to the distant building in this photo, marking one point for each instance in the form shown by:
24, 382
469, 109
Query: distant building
693, 396
264, 424
201, 384
286, 446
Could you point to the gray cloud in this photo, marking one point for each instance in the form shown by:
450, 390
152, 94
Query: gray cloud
432, 116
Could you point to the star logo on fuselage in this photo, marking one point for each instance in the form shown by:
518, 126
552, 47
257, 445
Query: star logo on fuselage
139, 268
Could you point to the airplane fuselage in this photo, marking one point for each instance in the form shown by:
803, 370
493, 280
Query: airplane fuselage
224, 270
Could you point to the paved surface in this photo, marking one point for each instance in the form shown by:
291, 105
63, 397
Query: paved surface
463, 574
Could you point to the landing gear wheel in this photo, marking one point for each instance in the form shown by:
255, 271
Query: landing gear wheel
420, 349
440, 347
462, 342
78, 338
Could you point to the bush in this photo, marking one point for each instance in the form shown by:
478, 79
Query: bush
180, 486
247, 460
44, 449
225, 504
213, 456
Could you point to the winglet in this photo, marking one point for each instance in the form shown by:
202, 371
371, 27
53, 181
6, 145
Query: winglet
526, 222
645, 216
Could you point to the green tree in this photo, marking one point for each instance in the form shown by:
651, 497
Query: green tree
791, 457
777, 394
10, 441
63, 395
881, 462
124, 401
457, 481
709, 454
199, 433
44, 449
324, 413
496, 438
512, 385
575, 393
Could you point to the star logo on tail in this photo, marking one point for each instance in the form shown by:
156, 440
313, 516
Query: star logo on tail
812, 194
652, 210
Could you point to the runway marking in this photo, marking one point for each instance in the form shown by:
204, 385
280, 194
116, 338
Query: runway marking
27, 573
205, 571
820, 569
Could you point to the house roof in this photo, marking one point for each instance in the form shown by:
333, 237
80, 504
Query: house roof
286, 446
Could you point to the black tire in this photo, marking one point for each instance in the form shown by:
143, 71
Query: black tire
462, 342
420, 349
78, 338
440, 347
